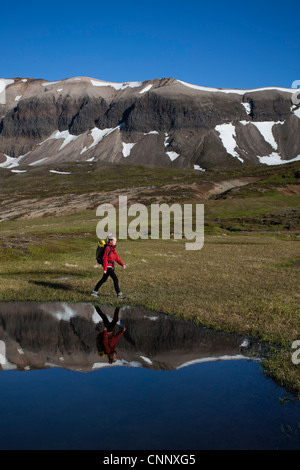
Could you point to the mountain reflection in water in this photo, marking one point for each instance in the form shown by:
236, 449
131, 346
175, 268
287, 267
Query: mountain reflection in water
43, 335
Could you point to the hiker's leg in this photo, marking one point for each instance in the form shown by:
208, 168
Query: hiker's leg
116, 318
102, 281
103, 316
113, 275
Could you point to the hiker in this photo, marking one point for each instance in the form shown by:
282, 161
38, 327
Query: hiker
109, 257
107, 340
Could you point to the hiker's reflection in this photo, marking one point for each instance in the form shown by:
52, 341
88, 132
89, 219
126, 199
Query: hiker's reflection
107, 340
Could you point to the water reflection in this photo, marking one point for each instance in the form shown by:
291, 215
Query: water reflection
108, 338
227, 404
84, 337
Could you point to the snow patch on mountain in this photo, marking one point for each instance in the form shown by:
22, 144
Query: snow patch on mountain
147, 88
236, 91
4, 82
228, 137
172, 155
98, 135
166, 140
60, 172
197, 167
151, 132
11, 162
38, 161
65, 135
247, 107
50, 83
127, 149
116, 86
275, 159
265, 128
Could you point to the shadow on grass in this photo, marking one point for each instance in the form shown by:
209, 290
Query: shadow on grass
46, 272
52, 285
58, 286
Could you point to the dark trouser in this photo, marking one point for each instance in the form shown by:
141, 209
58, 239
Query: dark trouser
110, 325
110, 272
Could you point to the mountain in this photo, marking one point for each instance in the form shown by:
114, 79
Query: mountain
164, 122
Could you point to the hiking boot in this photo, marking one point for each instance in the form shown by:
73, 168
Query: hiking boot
94, 293
121, 296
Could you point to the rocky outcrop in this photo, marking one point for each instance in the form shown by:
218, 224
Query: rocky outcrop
162, 122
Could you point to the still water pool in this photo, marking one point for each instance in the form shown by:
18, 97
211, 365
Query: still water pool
173, 385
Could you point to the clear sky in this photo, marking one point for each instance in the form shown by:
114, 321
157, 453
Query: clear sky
214, 43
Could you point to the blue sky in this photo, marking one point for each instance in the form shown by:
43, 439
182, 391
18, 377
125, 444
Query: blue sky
218, 44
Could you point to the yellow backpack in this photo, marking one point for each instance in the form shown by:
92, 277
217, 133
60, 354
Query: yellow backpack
101, 245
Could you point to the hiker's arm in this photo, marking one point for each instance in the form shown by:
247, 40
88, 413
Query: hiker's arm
118, 335
119, 261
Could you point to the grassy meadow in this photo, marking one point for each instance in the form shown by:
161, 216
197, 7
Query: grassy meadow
245, 279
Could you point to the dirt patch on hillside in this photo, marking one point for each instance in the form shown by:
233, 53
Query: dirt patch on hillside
290, 189
65, 204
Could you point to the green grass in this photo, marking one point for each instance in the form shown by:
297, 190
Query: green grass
244, 280
232, 284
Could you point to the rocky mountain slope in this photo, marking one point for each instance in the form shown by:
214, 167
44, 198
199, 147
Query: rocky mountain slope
163, 122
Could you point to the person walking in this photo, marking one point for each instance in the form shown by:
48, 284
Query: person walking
110, 256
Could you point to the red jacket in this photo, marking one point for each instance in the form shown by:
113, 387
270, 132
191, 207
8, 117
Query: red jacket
110, 340
110, 256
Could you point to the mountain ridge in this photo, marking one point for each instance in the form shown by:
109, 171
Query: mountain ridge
164, 122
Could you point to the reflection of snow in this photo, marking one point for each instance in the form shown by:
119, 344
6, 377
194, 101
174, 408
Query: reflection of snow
64, 313
210, 359
5, 364
146, 359
119, 362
